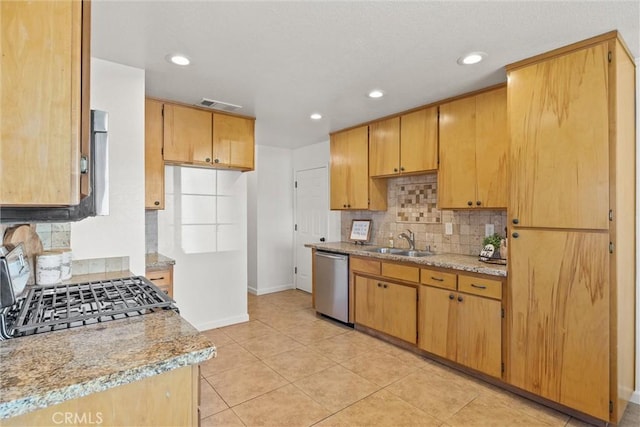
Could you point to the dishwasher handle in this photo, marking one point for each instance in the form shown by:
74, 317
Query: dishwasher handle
331, 255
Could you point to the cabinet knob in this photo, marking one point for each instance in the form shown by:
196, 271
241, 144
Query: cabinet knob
344, 206
322, 239
157, 203
395, 169
348, 206
451, 296
401, 169
515, 235
379, 284
216, 161
478, 202
515, 221
384, 286
208, 160
469, 203
460, 298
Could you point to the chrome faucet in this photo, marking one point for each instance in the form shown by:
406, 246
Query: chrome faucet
409, 237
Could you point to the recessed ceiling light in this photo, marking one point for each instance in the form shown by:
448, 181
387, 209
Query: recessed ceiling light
376, 94
178, 59
471, 58
316, 116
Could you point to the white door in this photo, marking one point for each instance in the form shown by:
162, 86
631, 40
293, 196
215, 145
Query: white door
311, 216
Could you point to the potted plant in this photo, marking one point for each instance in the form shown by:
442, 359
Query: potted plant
491, 248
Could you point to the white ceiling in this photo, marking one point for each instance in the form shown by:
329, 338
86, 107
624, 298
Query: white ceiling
283, 61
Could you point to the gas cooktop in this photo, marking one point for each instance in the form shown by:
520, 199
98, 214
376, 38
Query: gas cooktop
55, 307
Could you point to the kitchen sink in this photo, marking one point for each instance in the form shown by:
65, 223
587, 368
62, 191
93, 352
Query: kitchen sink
403, 252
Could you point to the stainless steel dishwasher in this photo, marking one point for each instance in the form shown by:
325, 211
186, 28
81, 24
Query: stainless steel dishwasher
331, 277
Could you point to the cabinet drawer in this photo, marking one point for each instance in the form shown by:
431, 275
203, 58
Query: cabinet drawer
160, 278
480, 286
402, 272
438, 279
365, 265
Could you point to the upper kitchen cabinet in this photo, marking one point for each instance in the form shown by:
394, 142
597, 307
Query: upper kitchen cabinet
572, 225
187, 134
351, 187
404, 145
153, 161
204, 138
233, 141
45, 102
473, 152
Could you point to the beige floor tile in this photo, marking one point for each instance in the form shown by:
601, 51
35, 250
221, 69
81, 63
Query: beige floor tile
283, 321
341, 347
246, 382
315, 331
286, 406
380, 409
270, 344
210, 402
574, 422
438, 396
225, 418
380, 368
483, 412
533, 409
218, 337
631, 416
227, 357
246, 331
336, 388
298, 363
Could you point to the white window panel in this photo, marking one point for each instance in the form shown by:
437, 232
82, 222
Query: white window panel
198, 181
227, 182
197, 209
227, 210
198, 238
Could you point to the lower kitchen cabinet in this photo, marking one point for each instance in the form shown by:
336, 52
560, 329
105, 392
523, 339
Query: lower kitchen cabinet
387, 307
163, 279
464, 328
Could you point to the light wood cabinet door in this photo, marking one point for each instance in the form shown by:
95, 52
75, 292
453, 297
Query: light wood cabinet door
44, 101
457, 169
349, 169
399, 311
438, 322
187, 134
419, 141
384, 147
369, 300
473, 152
479, 334
559, 161
559, 344
153, 161
492, 144
233, 141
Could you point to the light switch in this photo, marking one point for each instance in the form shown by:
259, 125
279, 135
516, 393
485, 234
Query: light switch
489, 230
448, 228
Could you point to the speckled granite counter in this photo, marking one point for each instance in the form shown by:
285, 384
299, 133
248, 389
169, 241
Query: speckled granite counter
453, 261
46, 369
156, 261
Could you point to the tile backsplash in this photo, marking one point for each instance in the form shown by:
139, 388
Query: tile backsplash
411, 204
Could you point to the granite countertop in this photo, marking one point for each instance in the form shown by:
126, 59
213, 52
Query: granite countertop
156, 261
46, 369
453, 261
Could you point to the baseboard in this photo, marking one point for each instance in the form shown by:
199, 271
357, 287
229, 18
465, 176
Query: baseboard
252, 290
635, 397
222, 322
272, 289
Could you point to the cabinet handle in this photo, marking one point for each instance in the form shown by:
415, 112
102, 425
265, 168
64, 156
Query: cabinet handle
451, 296
348, 206
401, 169
478, 202
208, 160
216, 161
515, 221
469, 203
473, 285
157, 278
157, 203
515, 235
379, 284
460, 298
344, 206
395, 169
437, 279
384, 286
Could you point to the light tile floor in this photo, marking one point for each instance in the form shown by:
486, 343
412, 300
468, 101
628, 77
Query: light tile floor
289, 367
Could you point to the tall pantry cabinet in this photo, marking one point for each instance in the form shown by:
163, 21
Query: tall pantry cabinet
571, 273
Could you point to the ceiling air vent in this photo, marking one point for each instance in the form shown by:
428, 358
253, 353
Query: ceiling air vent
218, 105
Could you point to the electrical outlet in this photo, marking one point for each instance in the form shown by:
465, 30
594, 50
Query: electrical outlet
448, 228
489, 230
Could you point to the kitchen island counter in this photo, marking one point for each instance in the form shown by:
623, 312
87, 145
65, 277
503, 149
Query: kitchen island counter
442, 260
42, 370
